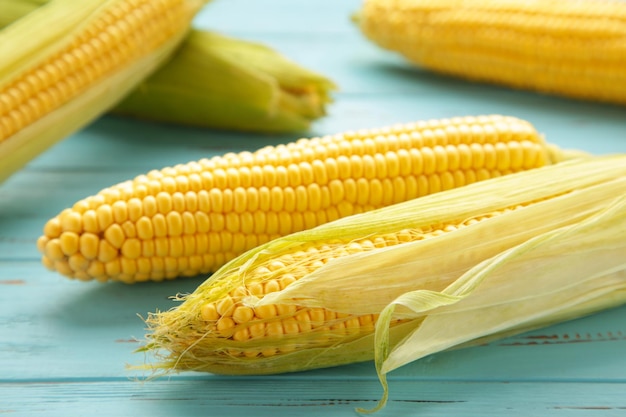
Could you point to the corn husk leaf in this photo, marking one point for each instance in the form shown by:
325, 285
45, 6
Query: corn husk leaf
559, 256
21, 44
222, 82
12, 10
558, 275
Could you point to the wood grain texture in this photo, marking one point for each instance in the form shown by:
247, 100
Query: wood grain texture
64, 345
312, 397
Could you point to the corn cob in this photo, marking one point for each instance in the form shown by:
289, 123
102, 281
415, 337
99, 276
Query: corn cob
488, 259
221, 82
226, 83
192, 218
90, 55
563, 47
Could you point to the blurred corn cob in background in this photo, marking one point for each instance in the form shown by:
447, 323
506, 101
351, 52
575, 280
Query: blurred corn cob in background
191, 218
66, 62
574, 48
488, 259
220, 82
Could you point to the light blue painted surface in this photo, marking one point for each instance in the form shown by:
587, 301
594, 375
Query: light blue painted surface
64, 345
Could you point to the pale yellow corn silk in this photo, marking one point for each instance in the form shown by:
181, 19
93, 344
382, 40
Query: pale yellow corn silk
524, 250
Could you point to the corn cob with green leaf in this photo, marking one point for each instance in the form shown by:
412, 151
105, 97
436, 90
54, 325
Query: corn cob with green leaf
489, 259
221, 82
191, 218
65, 63
226, 83
564, 47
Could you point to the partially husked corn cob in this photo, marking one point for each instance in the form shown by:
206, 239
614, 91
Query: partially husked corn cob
565, 47
220, 82
192, 218
66, 63
396, 284
230, 319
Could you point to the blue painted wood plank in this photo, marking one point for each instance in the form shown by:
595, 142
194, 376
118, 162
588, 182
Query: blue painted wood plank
291, 17
279, 396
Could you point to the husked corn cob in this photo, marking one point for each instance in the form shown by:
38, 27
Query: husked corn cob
565, 47
220, 82
192, 218
491, 258
66, 63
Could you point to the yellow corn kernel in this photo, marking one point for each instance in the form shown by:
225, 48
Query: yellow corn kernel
564, 47
284, 189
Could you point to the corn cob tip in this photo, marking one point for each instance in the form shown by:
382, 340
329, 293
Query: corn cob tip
558, 154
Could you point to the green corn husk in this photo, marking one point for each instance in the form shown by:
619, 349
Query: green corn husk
226, 83
221, 82
559, 256
13, 10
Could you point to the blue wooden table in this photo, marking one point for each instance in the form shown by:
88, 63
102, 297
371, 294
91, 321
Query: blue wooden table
64, 345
